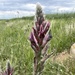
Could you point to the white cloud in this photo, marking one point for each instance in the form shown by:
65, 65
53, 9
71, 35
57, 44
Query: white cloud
65, 9
62, 9
30, 6
16, 13
26, 13
24, 10
9, 8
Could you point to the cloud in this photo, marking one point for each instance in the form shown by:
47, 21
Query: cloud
59, 9
9, 11
65, 9
16, 13
28, 6
18, 6
9, 8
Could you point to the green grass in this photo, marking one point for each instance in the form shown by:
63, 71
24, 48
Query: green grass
15, 45
54, 68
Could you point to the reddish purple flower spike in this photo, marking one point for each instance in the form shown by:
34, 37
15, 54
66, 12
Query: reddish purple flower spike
9, 70
40, 36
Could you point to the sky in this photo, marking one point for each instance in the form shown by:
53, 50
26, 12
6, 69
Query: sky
20, 8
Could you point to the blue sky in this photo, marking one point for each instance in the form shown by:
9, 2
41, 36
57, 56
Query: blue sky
19, 8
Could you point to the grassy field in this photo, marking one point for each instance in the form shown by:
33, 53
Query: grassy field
15, 44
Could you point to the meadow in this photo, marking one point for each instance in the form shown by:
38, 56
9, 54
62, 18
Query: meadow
15, 44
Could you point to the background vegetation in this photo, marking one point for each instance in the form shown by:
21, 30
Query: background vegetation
15, 45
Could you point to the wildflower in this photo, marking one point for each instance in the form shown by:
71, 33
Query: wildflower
39, 37
9, 70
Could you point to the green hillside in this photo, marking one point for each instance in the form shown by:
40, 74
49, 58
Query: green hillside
15, 44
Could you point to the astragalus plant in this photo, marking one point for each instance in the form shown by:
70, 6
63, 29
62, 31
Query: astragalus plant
8, 71
39, 38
